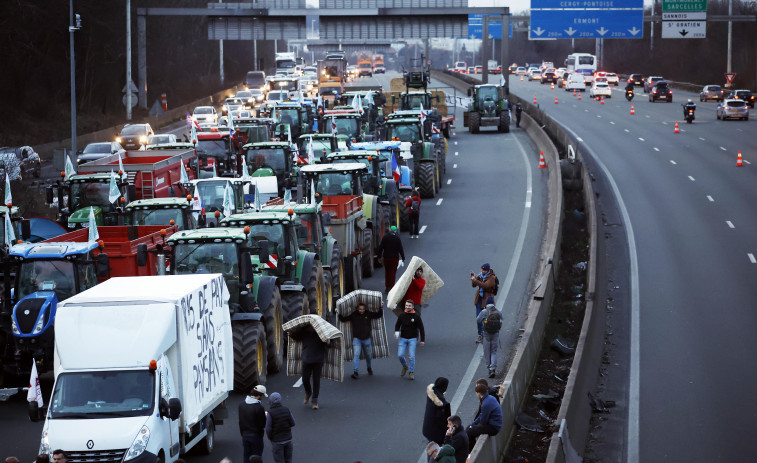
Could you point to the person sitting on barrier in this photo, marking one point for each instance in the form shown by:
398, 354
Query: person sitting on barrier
489, 421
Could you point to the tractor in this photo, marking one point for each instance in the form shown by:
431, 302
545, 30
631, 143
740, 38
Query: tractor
425, 155
489, 108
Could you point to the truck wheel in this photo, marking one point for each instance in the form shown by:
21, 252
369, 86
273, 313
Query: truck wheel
504, 123
403, 212
475, 122
295, 305
314, 290
207, 444
273, 332
367, 250
249, 355
426, 179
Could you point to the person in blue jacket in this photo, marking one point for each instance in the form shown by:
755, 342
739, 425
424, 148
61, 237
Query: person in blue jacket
489, 421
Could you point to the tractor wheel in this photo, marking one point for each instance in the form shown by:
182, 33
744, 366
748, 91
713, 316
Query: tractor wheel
357, 264
314, 289
426, 179
295, 305
273, 333
474, 122
249, 355
504, 123
351, 273
403, 212
367, 250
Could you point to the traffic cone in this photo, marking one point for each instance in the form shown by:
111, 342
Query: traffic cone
543, 163
553, 85
534, 99
602, 100
579, 96
555, 100
632, 111
574, 92
675, 129
739, 161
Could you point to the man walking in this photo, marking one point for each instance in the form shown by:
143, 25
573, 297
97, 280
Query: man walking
407, 329
313, 356
389, 253
484, 283
252, 422
491, 318
413, 204
361, 336
518, 111
278, 427
489, 421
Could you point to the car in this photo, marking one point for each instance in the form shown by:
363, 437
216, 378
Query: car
534, 74
521, 71
600, 89
636, 79
560, 71
660, 91
18, 162
649, 83
275, 96
134, 136
562, 79
513, 68
205, 114
471, 70
479, 69
601, 79
232, 104
575, 81
712, 92
251, 98
612, 79
460, 66
745, 95
98, 150
548, 76
732, 109
161, 139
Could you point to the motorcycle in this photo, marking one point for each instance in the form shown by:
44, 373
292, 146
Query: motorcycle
629, 95
688, 114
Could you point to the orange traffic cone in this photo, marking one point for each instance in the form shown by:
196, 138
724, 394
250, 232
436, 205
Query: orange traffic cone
521, 78
553, 85
574, 92
534, 99
555, 100
632, 111
602, 100
739, 161
543, 163
675, 129
579, 96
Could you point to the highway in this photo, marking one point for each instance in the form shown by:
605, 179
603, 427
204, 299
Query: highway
490, 209
679, 266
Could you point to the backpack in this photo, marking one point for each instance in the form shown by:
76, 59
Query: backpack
415, 206
493, 321
496, 285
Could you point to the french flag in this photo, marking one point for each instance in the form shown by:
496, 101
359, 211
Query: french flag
395, 169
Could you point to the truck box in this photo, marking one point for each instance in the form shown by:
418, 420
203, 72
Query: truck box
143, 366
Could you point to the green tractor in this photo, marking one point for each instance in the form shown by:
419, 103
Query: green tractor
85, 191
162, 211
298, 272
426, 157
254, 298
272, 159
489, 108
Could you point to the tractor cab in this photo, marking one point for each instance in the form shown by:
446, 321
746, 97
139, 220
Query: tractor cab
88, 191
489, 108
162, 211
346, 121
271, 159
211, 195
334, 179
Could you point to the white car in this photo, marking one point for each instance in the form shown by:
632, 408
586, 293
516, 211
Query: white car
521, 71
205, 114
612, 78
534, 74
575, 81
160, 139
233, 104
600, 89
275, 96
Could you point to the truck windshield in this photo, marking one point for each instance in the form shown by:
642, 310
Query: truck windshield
414, 101
274, 158
289, 116
405, 132
362, 161
47, 275
156, 217
211, 194
102, 394
306, 233
215, 148
206, 258
90, 194
335, 184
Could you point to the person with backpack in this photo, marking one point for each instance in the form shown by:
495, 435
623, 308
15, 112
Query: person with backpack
486, 284
491, 318
413, 204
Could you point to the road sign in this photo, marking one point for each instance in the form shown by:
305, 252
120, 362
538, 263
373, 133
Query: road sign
581, 23
585, 4
684, 5
134, 99
685, 16
476, 25
684, 29
131, 86
729, 76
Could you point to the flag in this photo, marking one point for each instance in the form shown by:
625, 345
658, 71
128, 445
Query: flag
231, 126
502, 80
8, 196
121, 168
197, 204
69, 170
356, 104
245, 172
312, 192
311, 155
319, 102
395, 169
228, 201
258, 206
289, 133
423, 115
35, 391
113, 192
315, 125
183, 174
287, 196
10, 235
192, 122
368, 97
94, 235
215, 174
193, 135
333, 125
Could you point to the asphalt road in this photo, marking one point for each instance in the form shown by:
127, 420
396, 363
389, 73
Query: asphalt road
491, 209
684, 374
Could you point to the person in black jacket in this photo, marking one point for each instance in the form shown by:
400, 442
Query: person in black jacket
390, 252
313, 356
409, 325
278, 427
252, 422
457, 438
361, 336
437, 411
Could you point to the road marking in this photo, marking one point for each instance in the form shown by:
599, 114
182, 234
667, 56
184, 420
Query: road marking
730, 224
457, 153
455, 142
298, 383
454, 166
579, 139
647, 116
751, 258
423, 228
641, 139
723, 149
701, 138
449, 181
627, 131
746, 162
691, 178
656, 148
672, 162
438, 203
712, 200
599, 116
611, 122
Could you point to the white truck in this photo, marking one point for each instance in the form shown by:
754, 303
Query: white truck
286, 62
143, 366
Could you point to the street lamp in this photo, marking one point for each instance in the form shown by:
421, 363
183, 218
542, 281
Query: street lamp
71, 29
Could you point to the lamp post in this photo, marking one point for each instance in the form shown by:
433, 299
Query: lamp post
71, 29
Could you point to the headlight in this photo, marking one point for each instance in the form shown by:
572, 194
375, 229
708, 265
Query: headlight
139, 445
14, 327
143, 139
40, 324
118, 140
71, 225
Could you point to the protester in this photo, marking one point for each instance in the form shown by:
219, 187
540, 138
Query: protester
390, 252
437, 411
11, 460
415, 290
407, 329
518, 111
495, 391
59, 456
491, 318
361, 336
457, 438
313, 356
489, 421
252, 422
278, 428
445, 454
484, 283
42, 458
413, 204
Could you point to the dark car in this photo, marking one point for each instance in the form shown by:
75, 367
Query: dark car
745, 95
650, 82
134, 136
712, 92
94, 151
548, 76
661, 91
637, 80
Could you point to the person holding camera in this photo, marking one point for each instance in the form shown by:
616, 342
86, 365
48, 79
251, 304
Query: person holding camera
457, 438
485, 283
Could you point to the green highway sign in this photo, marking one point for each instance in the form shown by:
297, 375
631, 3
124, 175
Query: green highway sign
684, 5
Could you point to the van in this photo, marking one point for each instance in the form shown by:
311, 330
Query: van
575, 81
255, 79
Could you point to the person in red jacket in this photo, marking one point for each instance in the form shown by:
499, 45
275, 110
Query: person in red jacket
415, 290
413, 204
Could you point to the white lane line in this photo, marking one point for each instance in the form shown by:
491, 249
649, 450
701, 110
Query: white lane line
454, 166
599, 116
691, 178
449, 181
423, 228
751, 258
455, 142
672, 162
656, 148
439, 203
730, 224
298, 383
586, 110
723, 149
701, 138
641, 139
710, 198
746, 162
647, 116
627, 131
457, 153
611, 122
